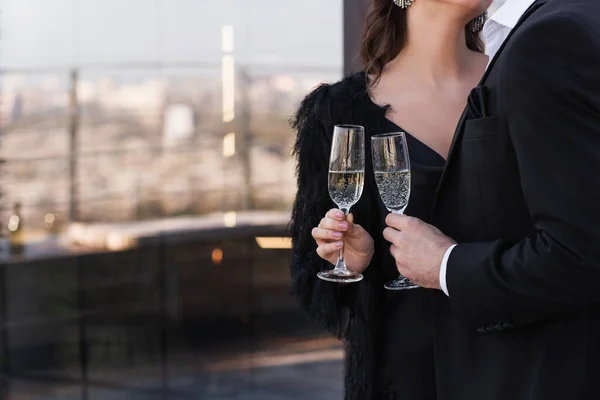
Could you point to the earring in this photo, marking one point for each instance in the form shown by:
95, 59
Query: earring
478, 22
403, 3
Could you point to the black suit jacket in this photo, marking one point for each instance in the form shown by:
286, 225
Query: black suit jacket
521, 196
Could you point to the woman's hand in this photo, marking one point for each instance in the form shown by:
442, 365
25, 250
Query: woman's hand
333, 232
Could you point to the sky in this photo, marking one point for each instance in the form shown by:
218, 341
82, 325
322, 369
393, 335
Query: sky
63, 33
45, 33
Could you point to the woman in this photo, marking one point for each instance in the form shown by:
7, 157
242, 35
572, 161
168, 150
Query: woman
422, 58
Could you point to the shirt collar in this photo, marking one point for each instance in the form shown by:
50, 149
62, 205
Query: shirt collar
509, 14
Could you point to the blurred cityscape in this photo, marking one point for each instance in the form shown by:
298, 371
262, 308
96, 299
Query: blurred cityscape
145, 190
147, 143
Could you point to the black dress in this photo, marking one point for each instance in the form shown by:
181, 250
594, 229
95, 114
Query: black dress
388, 335
404, 311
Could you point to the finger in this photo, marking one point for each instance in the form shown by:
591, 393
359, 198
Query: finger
332, 224
327, 249
336, 214
394, 220
395, 252
405, 270
321, 254
326, 234
321, 242
391, 234
356, 231
351, 225
350, 218
402, 269
403, 222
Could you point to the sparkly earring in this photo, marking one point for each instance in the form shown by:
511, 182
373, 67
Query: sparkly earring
478, 22
403, 3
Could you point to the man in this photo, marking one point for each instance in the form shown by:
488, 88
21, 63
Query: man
518, 310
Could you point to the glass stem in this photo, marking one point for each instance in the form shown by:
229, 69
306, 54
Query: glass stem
341, 262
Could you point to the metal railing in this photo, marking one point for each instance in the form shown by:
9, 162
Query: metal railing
74, 174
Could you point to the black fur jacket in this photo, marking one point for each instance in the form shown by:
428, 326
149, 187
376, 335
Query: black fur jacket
348, 312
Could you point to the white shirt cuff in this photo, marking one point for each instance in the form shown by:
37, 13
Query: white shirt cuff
443, 268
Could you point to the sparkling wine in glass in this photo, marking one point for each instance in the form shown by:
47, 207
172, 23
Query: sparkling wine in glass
346, 182
391, 165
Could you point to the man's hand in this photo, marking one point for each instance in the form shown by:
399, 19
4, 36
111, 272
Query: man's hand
418, 249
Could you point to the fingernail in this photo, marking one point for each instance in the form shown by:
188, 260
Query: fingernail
339, 214
337, 234
343, 225
339, 244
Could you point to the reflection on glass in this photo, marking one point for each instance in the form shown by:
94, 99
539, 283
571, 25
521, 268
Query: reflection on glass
391, 164
128, 169
346, 182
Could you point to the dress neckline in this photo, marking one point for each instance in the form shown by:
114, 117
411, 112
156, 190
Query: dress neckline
440, 161
413, 141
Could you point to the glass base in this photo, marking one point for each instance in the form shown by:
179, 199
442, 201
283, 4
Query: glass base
401, 284
340, 276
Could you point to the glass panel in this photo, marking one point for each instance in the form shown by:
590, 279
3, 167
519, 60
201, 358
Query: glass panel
145, 189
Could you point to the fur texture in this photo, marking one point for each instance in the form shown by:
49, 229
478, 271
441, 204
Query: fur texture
348, 312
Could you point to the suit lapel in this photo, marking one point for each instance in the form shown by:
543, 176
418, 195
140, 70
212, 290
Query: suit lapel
463, 119
533, 8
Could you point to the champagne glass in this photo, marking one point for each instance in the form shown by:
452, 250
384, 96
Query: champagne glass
346, 181
391, 165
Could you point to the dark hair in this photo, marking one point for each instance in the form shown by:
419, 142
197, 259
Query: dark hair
384, 36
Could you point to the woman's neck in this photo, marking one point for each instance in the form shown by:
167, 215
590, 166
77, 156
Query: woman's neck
435, 51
